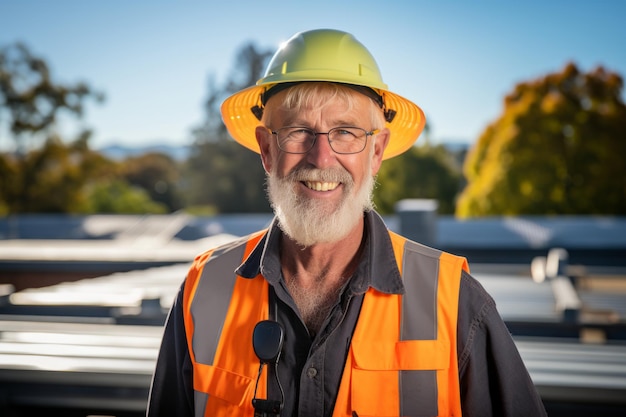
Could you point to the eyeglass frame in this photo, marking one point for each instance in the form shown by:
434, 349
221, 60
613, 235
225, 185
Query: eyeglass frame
316, 134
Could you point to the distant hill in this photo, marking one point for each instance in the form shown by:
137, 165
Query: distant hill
119, 152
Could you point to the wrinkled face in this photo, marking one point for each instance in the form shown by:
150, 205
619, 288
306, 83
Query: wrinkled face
320, 196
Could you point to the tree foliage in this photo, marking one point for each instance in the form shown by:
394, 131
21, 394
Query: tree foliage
230, 178
421, 172
115, 196
55, 177
221, 173
158, 174
557, 148
71, 178
50, 179
30, 98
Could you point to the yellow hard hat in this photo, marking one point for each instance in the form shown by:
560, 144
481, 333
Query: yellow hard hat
330, 56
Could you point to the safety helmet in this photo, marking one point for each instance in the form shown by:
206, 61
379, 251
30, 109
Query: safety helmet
323, 55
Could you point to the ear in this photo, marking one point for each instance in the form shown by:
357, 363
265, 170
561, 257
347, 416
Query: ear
380, 141
264, 139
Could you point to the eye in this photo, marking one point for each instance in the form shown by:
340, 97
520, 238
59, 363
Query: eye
301, 131
344, 133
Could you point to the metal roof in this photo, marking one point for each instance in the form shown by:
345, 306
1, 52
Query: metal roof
510, 232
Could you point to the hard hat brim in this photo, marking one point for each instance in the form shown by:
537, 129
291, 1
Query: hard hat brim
241, 123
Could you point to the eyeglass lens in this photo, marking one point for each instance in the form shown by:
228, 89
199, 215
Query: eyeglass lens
343, 140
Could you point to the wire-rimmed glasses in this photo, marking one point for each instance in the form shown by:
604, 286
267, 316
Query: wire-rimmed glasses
342, 139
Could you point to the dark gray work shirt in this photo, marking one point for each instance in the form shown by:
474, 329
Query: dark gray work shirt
494, 381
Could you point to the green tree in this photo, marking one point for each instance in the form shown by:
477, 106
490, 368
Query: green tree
70, 178
116, 196
424, 171
231, 178
557, 148
50, 179
158, 174
44, 175
220, 173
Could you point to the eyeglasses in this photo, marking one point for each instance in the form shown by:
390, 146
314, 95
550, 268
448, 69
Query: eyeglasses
342, 140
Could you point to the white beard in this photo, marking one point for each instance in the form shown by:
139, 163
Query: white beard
312, 221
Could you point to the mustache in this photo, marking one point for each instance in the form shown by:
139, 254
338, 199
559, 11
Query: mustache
322, 175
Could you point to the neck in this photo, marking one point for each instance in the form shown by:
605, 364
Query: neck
315, 275
326, 263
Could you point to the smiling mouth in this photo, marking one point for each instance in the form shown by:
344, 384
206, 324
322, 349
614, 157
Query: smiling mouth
321, 186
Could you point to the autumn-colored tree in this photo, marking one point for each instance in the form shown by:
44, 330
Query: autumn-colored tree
557, 148
423, 171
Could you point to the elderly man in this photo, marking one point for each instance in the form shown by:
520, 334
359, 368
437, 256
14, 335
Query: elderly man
368, 322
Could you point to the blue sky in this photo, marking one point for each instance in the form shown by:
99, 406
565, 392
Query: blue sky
456, 59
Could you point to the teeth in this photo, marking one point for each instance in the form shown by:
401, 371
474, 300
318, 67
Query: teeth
321, 186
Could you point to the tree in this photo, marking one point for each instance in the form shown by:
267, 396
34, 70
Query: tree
7, 176
156, 173
421, 172
71, 178
558, 148
115, 196
50, 179
31, 99
248, 68
221, 173
230, 178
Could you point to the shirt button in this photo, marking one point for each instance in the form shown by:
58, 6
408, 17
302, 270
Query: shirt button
311, 372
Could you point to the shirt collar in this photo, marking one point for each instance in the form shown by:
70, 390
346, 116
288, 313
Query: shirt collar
377, 268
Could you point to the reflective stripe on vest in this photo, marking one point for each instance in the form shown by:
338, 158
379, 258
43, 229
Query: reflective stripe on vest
402, 361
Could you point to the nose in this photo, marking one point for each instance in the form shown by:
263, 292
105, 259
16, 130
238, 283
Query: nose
321, 155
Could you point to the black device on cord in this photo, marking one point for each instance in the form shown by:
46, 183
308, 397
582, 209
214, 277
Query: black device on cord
267, 341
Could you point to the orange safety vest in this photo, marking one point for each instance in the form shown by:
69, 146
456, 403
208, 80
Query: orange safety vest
402, 359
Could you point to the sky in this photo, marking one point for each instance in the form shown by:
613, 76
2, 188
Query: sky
456, 59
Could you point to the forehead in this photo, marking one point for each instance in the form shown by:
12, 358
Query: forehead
308, 105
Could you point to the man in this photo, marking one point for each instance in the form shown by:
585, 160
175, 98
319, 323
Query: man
374, 324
